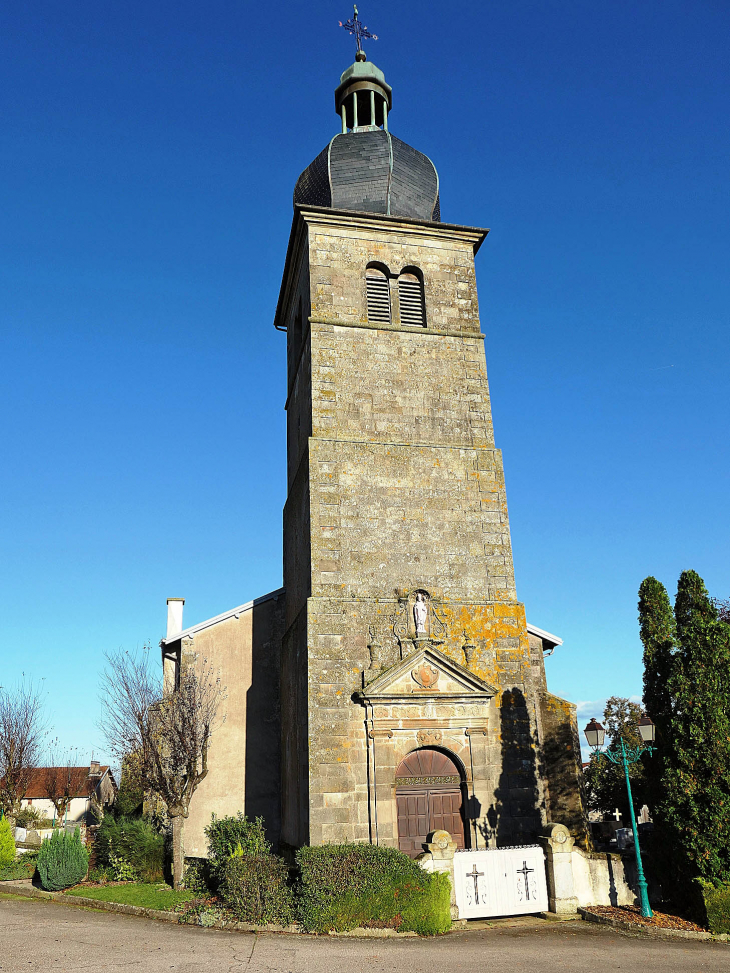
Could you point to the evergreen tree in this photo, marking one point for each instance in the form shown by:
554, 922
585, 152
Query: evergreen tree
696, 803
657, 629
692, 811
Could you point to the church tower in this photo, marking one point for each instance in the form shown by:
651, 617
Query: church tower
412, 694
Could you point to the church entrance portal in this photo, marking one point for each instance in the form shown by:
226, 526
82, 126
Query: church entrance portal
429, 796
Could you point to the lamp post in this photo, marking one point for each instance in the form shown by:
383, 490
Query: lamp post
595, 735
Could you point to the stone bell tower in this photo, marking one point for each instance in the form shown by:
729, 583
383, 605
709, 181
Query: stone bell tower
403, 631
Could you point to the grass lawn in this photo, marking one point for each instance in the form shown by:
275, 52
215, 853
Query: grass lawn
160, 897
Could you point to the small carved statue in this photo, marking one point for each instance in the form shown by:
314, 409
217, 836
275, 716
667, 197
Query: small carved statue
469, 649
375, 649
420, 614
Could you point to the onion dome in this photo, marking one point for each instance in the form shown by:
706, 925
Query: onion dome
365, 168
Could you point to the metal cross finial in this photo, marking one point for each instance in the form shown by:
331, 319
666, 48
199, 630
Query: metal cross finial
354, 26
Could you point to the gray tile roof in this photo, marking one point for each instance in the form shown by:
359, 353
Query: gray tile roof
372, 172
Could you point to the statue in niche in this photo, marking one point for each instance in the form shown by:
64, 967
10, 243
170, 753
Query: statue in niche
420, 614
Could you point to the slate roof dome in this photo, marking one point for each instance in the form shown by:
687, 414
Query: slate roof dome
365, 168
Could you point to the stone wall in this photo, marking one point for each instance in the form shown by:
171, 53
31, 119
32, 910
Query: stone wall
399, 487
600, 879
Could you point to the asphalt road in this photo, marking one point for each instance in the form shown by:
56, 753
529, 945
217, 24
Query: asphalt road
40, 935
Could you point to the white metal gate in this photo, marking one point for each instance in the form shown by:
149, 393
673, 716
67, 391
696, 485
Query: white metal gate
500, 882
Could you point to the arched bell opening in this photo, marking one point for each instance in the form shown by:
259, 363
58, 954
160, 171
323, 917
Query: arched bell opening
364, 109
430, 795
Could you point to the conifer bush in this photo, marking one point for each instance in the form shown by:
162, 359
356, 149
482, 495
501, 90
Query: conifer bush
350, 885
62, 861
7, 844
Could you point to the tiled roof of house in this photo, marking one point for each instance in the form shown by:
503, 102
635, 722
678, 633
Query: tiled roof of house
82, 783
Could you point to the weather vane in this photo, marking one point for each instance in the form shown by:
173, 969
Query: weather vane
354, 26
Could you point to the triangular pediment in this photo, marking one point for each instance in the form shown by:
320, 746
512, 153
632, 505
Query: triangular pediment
427, 672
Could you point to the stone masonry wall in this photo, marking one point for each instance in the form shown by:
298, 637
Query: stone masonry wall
404, 490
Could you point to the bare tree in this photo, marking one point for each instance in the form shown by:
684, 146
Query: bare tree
62, 779
171, 732
22, 731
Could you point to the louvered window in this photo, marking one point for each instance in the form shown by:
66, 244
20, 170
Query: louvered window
410, 294
378, 291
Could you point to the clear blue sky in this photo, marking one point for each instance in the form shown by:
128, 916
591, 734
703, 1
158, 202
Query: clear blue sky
149, 153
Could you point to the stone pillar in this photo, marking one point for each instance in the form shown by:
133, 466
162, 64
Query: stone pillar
439, 857
558, 845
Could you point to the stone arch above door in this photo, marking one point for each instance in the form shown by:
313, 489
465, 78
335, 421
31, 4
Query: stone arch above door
430, 796
428, 765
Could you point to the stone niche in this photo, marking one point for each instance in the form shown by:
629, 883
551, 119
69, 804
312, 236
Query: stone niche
417, 619
428, 703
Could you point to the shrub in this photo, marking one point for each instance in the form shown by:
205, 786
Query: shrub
100, 875
717, 907
22, 868
121, 869
29, 817
201, 912
15, 872
133, 841
197, 876
62, 861
7, 843
255, 889
234, 834
344, 886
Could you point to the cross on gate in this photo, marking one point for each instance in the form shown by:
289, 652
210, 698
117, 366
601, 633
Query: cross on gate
476, 876
524, 871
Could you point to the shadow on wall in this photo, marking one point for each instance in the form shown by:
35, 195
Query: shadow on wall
515, 818
263, 719
561, 767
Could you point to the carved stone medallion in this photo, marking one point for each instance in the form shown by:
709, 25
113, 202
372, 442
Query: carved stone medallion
426, 676
429, 738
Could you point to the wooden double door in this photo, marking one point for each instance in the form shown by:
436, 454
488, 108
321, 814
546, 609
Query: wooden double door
429, 797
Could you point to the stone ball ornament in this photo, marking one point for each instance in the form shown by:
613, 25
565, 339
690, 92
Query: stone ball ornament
442, 839
558, 835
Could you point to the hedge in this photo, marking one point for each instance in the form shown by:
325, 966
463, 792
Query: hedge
349, 885
255, 889
717, 907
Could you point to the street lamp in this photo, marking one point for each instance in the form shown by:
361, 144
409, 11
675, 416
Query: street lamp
595, 735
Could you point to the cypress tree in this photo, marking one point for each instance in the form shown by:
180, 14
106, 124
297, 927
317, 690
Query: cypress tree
694, 809
693, 607
657, 629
